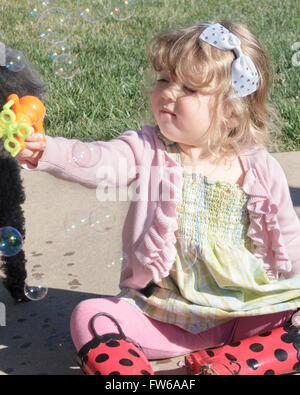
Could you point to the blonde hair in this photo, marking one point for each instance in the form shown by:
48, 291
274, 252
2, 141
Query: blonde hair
237, 123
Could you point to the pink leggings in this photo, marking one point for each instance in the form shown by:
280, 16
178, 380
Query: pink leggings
158, 339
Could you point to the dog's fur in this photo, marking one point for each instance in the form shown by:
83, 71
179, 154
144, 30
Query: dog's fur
25, 82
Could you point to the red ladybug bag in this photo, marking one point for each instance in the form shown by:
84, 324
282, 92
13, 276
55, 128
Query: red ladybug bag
271, 353
112, 354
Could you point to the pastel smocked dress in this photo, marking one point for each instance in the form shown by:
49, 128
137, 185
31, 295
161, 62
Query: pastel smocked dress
216, 276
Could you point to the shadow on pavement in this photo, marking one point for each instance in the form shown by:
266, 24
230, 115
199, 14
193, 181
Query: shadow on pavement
295, 195
36, 339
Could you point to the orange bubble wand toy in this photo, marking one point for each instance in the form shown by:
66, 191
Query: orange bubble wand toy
20, 118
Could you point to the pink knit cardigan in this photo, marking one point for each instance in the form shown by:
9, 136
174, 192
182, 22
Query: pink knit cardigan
139, 158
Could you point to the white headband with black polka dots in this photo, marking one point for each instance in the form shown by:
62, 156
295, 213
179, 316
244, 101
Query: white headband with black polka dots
243, 72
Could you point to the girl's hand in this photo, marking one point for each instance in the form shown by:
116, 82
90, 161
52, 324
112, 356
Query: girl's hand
35, 145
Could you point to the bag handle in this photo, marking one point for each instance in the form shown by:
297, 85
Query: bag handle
112, 318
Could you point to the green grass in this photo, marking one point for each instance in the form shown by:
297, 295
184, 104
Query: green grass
105, 97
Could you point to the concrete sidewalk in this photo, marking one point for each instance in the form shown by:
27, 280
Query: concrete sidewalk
36, 338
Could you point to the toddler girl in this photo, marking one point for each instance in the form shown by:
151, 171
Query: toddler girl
211, 237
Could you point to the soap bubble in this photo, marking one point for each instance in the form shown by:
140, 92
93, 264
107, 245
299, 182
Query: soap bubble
117, 261
58, 49
11, 241
34, 288
93, 10
65, 66
85, 154
35, 292
122, 9
15, 60
37, 7
102, 219
55, 25
81, 155
76, 223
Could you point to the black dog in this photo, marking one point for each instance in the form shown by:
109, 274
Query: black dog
24, 82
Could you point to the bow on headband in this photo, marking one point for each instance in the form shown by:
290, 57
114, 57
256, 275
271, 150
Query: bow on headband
243, 71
